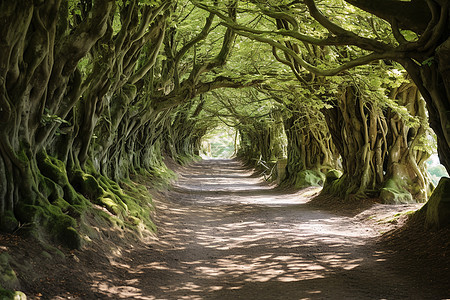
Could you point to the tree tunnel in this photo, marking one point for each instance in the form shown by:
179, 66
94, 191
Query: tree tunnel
95, 94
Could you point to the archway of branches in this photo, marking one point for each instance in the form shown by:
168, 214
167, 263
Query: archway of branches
96, 93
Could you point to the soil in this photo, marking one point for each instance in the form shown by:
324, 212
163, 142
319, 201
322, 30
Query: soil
224, 233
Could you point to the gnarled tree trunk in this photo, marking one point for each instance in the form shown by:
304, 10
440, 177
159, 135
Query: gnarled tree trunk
310, 152
358, 129
433, 80
39, 86
406, 178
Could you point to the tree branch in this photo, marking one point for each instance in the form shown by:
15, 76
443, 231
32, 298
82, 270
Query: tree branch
413, 15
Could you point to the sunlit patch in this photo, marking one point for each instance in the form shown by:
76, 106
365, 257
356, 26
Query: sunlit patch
228, 233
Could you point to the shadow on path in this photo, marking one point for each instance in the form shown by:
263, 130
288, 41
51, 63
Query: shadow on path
224, 234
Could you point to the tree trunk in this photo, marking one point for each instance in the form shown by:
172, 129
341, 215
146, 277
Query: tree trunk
433, 80
406, 178
358, 129
39, 86
383, 153
310, 152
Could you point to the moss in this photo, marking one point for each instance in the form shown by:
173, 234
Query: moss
18, 295
62, 204
331, 176
394, 219
29, 213
72, 197
70, 237
51, 218
52, 168
50, 189
8, 278
337, 187
11, 295
392, 193
6, 294
62, 228
8, 222
110, 205
87, 185
308, 178
437, 209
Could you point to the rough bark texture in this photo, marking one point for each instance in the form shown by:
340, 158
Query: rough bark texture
261, 145
406, 178
433, 81
382, 155
39, 86
359, 131
80, 96
310, 151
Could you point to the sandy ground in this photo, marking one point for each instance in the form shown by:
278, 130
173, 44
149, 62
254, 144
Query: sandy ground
225, 234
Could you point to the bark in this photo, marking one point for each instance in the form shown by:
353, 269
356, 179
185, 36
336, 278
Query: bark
39, 86
406, 173
310, 152
358, 129
115, 61
413, 15
382, 153
433, 81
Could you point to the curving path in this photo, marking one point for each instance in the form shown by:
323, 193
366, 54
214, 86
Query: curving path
224, 234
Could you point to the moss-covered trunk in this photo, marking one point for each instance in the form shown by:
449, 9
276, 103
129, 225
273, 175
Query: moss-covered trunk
358, 130
310, 152
383, 151
433, 80
40, 85
406, 178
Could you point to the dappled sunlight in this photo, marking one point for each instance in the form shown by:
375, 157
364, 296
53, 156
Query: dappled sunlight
228, 237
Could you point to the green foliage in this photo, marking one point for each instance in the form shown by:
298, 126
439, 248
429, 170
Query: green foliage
6, 294
50, 119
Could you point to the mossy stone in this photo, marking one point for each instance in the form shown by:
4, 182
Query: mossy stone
18, 295
309, 178
8, 222
394, 196
6, 294
8, 278
12, 295
52, 168
438, 206
391, 193
331, 176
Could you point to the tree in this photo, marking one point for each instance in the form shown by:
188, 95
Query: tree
40, 85
415, 34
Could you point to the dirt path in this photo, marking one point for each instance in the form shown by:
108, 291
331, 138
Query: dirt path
227, 235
